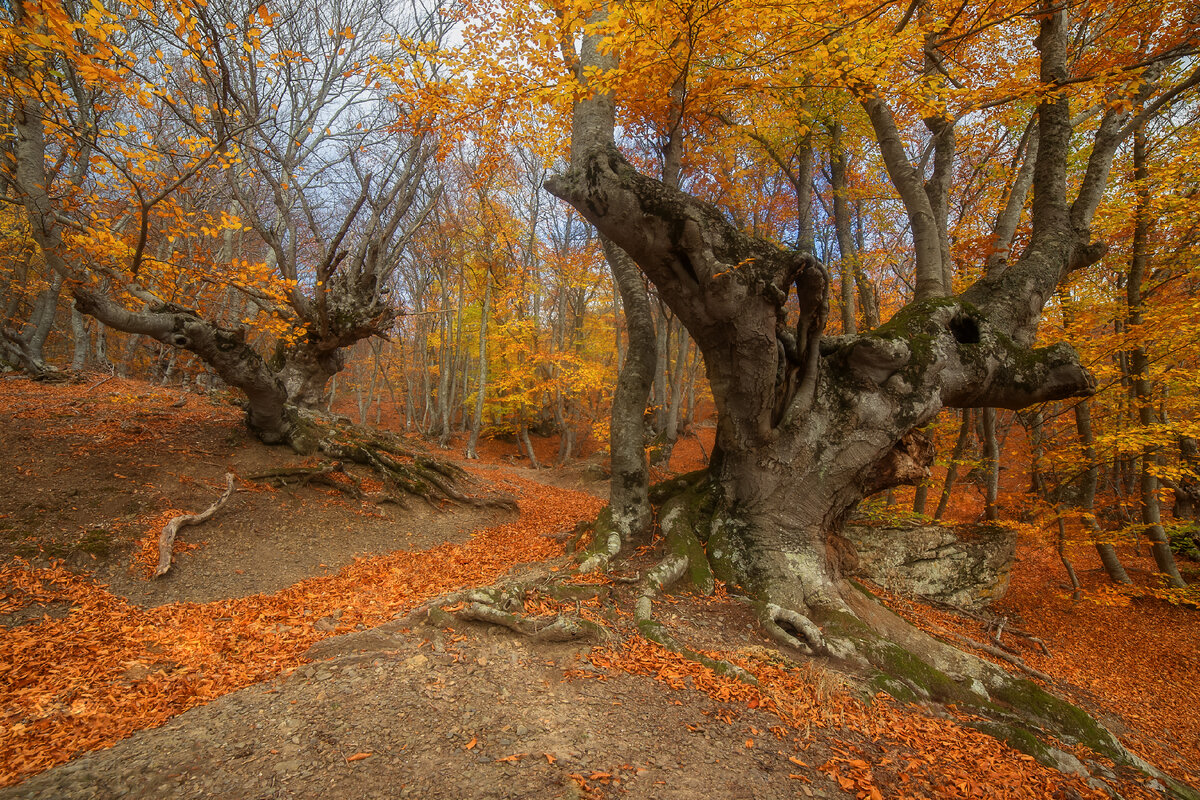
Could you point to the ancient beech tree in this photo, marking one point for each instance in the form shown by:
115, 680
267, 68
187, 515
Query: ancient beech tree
276, 122
808, 424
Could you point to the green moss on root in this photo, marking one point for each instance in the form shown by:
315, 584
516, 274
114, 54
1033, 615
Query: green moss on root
1063, 719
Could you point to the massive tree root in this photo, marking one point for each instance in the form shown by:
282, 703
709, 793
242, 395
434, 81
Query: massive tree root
840, 622
403, 470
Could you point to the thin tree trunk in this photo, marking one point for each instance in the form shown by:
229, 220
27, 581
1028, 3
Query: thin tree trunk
127, 353
446, 362
523, 437
677, 373
960, 446
842, 225
79, 336
920, 498
41, 322
620, 340
991, 464
1076, 591
868, 298
169, 369
629, 485
426, 384
477, 421
1139, 364
1009, 217
1187, 492
1087, 501
662, 356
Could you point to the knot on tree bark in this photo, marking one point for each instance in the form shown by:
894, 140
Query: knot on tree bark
877, 359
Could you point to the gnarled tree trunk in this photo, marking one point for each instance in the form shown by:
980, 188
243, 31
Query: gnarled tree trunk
806, 426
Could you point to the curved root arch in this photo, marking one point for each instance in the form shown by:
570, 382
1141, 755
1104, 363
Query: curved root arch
843, 622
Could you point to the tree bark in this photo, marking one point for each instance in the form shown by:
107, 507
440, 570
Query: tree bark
628, 493
806, 429
79, 335
481, 389
1139, 365
923, 216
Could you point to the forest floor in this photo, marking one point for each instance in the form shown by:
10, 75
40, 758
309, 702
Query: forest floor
277, 659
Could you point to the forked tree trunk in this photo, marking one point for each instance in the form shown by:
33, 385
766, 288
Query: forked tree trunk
306, 372
806, 428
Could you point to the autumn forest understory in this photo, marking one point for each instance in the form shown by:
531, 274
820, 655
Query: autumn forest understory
615, 341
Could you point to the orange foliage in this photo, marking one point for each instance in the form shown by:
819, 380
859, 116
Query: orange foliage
110, 668
1139, 661
1136, 659
886, 745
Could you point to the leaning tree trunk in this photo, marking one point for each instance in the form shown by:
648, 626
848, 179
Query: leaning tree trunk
268, 414
628, 498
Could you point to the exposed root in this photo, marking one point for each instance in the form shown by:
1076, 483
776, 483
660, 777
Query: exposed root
320, 473
403, 471
773, 618
504, 606
598, 560
560, 629
669, 571
605, 545
166, 539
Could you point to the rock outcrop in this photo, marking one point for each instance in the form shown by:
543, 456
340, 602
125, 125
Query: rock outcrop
966, 566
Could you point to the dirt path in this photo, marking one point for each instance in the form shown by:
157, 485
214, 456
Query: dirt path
483, 717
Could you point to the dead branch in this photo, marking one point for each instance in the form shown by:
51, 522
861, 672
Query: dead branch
1016, 661
166, 539
1000, 625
